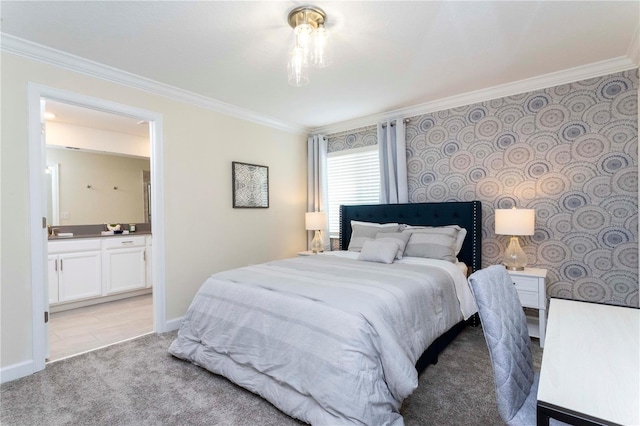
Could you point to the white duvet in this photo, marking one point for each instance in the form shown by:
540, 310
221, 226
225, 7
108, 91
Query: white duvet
326, 339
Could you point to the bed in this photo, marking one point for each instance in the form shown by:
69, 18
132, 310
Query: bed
330, 339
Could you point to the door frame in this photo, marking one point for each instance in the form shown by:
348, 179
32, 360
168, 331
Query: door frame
37, 203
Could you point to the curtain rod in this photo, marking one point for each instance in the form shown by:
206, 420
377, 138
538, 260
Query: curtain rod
405, 121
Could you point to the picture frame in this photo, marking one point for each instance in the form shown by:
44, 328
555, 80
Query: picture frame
250, 185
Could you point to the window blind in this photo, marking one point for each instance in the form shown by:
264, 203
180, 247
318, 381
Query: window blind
353, 177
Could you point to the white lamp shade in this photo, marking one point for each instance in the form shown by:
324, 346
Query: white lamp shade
315, 221
515, 221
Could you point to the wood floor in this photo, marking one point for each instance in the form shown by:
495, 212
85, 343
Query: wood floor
83, 329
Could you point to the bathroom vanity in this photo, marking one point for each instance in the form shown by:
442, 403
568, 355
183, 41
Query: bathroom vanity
85, 270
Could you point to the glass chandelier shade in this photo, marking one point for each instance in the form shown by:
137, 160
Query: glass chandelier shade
298, 75
310, 43
320, 57
303, 34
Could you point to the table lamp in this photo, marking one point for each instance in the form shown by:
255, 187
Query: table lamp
515, 222
316, 221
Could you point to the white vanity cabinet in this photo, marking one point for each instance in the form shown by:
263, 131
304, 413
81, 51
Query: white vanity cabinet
74, 270
86, 271
124, 264
52, 274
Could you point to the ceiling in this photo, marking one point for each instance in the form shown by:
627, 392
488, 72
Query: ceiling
387, 55
94, 119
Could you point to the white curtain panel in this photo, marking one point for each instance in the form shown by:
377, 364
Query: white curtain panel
393, 162
317, 200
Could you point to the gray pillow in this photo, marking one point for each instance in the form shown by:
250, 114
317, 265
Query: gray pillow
397, 238
381, 251
462, 233
364, 231
432, 243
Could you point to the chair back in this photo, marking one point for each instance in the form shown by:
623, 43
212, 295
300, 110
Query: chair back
505, 330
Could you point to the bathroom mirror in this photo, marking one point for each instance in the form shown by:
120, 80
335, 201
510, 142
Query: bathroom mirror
98, 167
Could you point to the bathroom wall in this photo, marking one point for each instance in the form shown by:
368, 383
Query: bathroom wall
87, 183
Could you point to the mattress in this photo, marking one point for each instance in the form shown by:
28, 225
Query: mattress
327, 339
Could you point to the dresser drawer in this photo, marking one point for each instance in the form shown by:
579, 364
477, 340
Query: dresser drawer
525, 283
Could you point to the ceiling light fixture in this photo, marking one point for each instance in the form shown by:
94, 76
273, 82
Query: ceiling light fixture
310, 43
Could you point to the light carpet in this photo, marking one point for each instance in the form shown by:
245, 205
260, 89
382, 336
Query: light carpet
139, 383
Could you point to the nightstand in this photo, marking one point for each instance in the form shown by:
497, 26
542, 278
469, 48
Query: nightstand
530, 284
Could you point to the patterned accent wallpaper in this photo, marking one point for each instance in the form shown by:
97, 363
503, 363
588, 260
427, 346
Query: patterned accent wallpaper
357, 138
570, 152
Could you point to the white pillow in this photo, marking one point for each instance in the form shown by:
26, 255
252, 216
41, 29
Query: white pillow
462, 233
364, 231
381, 251
398, 238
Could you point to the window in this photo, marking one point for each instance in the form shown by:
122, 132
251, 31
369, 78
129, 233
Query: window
353, 177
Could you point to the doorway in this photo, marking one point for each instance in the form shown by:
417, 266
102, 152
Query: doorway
90, 153
38, 205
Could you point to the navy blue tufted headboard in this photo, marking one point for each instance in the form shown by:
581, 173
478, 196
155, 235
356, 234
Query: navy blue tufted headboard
466, 214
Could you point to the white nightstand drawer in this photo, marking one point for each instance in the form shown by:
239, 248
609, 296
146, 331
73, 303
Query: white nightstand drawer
530, 285
526, 284
528, 299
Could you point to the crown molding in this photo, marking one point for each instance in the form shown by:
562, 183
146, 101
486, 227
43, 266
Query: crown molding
597, 69
634, 47
40, 53
37, 52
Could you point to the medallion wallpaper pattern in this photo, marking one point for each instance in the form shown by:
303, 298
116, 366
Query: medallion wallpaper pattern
570, 152
358, 138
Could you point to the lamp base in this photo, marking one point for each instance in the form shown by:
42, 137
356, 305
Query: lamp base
514, 268
317, 245
514, 257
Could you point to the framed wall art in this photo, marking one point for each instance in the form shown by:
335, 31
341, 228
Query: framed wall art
250, 185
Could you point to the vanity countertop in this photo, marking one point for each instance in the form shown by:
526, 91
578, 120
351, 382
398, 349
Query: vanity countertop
77, 236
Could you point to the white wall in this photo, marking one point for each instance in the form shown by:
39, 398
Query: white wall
204, 234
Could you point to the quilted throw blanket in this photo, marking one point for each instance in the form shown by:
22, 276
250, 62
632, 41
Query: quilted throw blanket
327, 340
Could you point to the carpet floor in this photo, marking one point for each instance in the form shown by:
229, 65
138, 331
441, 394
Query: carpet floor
139, 383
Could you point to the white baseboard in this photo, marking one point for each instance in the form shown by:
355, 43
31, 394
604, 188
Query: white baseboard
25, 368
65, 306
173, 324
16, 371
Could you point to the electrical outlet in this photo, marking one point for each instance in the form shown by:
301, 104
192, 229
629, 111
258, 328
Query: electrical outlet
64, 215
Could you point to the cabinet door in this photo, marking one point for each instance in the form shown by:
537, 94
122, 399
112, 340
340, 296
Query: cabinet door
125, 269
52, 277
148, 257
79, 275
